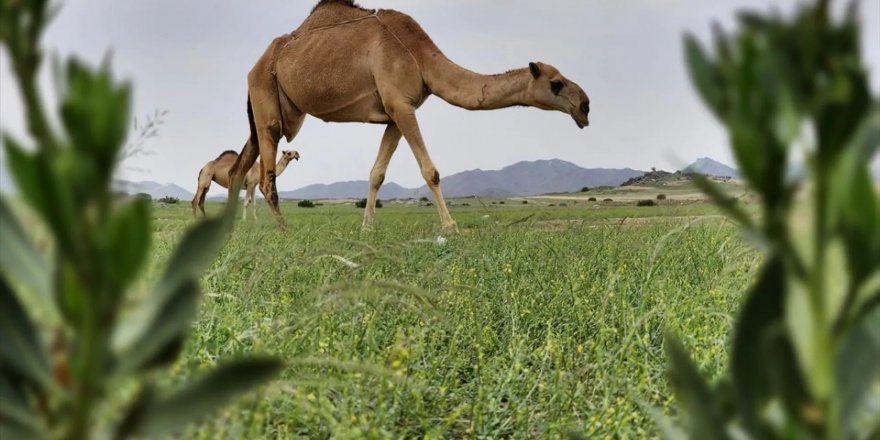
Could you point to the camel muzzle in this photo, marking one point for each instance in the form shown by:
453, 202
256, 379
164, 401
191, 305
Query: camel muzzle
585, 110
581, 119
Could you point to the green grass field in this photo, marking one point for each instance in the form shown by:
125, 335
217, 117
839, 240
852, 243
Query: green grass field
532, 322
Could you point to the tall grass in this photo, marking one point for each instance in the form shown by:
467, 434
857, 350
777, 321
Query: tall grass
521, 329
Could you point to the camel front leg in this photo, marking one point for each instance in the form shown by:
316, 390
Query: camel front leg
389, 143
267, 124
267, 177
405, 118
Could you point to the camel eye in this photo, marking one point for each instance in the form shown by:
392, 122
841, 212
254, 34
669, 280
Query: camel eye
556, 86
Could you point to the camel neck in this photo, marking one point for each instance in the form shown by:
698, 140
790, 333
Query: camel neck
473, 91
279, 168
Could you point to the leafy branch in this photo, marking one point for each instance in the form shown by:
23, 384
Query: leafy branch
68, 340
807, 341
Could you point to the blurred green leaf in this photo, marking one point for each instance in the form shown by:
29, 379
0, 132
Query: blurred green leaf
24, 265
788, 379
168, 326
866, 141
134, 415
206, 394
13, 406
867, 296
750, 365
787, 122
38, 184
854, 204
96, 114
194, 253
12, 430
21, 349
837, 280
857, 368
809, 339
728, 204
847, 103
705, 76
668, 430
704, 415
127, 240
70, 295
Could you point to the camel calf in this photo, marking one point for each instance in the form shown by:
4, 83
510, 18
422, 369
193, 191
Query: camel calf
217, 170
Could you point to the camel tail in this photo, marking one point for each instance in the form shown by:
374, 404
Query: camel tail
253, 126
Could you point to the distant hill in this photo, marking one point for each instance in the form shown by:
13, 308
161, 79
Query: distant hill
156, 190
519, 179
529, 178
710, 167
346, 190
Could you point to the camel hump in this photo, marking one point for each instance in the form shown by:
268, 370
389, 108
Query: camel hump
410, 33
345, 3
227, 152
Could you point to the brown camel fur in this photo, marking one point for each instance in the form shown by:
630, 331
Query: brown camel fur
348, 64
218, 170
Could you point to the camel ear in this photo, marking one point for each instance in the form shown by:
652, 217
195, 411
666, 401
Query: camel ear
536, 71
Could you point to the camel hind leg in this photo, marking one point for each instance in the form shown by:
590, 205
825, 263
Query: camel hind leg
238, 171
205, 177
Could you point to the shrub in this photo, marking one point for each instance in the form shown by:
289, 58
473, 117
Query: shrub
168, 200
646, 202
65, 303
305, 203
806, 339
144, 196
465, 204
362, 203
661, 196
421, 199
563, 204
552, 204
525, 202
591, 199
501, 202
429, 204
608, 200
585, 189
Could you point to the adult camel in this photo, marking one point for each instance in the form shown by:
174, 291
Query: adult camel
349, 64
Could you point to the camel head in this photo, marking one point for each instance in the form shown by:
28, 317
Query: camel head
288, 155
549, 90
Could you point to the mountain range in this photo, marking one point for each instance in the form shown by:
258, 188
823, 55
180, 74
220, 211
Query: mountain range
154, 189
520, 179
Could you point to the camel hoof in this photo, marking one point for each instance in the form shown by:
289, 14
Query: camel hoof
282, 225
450, 228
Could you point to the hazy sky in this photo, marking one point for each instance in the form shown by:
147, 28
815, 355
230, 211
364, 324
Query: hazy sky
192, 57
